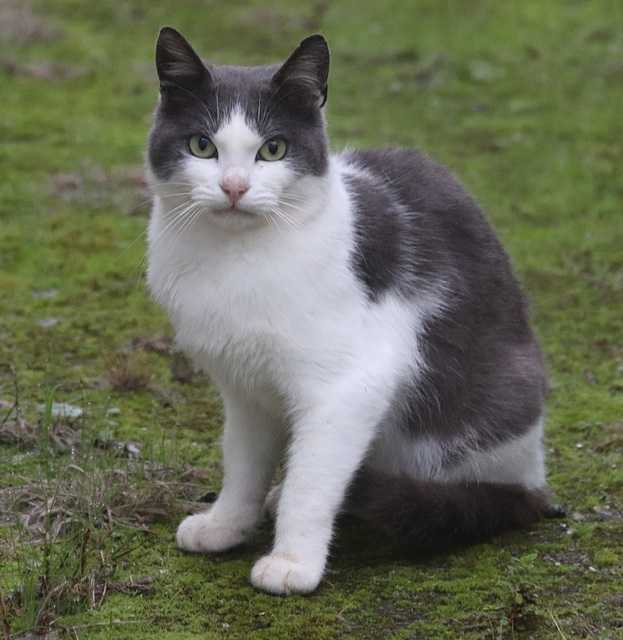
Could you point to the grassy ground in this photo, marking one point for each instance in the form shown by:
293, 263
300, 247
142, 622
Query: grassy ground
102, 449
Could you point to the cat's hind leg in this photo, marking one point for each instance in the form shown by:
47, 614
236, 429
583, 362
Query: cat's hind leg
251, 451
272, 502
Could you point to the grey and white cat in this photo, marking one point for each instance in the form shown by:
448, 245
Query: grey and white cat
356, 312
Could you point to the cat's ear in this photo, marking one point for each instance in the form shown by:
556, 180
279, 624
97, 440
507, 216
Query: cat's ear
177, 63
302, 79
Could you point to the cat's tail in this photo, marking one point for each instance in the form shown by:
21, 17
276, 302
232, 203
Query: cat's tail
433, 516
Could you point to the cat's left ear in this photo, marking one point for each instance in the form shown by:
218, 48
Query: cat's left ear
177, 63
302, 79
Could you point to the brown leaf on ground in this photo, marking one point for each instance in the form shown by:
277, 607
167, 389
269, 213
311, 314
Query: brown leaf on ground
159, 343
128, 371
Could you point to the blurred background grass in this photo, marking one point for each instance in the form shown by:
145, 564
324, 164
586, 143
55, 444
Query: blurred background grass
522, 100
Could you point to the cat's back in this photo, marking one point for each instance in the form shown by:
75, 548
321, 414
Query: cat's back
419, 235
416, 226
410, 176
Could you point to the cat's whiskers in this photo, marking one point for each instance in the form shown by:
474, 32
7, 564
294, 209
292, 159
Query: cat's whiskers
141, 267
177, 194
294, 196
171, 185
176, 213
258, 114
264, 116
185, 222
284, 204
278, 214
271, 217
181, 218
287, 202
218, 110
184, 183
193, 213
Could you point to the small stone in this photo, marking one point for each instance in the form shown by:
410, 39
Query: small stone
48, 323
45, 293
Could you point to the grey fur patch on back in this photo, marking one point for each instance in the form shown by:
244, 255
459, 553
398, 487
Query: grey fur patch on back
417, 229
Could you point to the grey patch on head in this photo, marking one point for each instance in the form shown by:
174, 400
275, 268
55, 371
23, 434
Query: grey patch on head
276, 100
417, 230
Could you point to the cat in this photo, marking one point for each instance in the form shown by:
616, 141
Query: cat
356, 312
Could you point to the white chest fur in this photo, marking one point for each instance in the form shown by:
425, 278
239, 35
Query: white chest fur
269, 307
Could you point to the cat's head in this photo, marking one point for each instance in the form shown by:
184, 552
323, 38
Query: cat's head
238, 142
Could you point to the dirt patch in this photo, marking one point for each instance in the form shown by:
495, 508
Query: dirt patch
94, 187
20, 26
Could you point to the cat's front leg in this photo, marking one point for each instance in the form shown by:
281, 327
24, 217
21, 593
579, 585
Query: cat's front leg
251, 450
328, 445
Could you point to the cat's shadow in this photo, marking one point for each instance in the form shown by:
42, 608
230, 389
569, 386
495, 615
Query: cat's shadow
358, 543
355, 543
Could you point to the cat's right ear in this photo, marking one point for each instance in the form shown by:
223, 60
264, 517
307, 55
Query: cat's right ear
177, 63
302, 79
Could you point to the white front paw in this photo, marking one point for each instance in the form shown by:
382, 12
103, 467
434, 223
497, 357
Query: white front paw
283, 577
202, 533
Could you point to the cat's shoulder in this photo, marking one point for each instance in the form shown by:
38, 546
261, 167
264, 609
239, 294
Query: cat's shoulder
406, 176
381, 159
394, 163
406, 172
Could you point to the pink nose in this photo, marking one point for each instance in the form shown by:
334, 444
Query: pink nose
235, 187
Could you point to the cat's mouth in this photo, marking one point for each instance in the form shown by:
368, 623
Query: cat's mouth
232, 211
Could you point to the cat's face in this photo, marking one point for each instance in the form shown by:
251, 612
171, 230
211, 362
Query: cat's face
238, 144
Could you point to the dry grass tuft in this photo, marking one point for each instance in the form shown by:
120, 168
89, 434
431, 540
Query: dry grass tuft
67, 512
118, 496
18, 432
128, 371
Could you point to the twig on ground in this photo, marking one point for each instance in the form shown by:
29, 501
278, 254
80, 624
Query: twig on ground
15, 406
551, 615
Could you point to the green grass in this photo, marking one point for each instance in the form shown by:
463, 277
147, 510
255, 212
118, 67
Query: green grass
522, 100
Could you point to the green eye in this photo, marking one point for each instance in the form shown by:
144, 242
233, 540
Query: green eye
202, 147
272, 150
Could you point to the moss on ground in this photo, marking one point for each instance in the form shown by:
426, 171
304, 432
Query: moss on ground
522, 100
